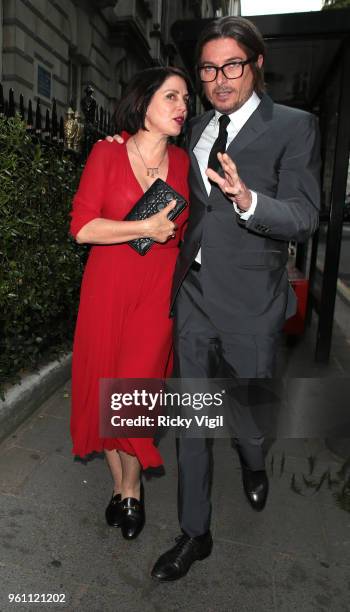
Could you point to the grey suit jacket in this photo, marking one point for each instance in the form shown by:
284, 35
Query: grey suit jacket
244, 276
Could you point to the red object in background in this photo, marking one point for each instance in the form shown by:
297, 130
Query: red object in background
295, 325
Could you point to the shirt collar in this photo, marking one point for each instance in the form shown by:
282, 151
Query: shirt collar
240, 116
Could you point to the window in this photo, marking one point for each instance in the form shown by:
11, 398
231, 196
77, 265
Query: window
43, 81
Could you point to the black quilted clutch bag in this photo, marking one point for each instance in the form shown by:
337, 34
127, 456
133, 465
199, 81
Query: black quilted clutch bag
157, 197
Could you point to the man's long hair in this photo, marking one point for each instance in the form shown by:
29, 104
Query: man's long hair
245, 34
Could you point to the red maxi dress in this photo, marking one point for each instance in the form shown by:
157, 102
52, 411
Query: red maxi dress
123, 328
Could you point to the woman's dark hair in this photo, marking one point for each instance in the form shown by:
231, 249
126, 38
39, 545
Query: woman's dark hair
131, 110
245, 34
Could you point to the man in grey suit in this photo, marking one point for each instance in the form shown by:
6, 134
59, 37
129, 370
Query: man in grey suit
231, 294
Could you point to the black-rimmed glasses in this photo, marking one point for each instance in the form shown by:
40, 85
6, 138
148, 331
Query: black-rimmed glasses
231, 70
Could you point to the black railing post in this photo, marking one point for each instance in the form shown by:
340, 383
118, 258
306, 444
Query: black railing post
61, 132
2, 102
47, 130
30, 121
54, 124
21, 107
38, 119
89, 108
12, 106
335, 225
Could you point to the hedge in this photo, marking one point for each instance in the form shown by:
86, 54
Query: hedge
40, 265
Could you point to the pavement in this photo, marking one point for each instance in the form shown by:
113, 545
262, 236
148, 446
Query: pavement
295, 555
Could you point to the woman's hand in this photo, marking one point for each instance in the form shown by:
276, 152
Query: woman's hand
231, 185
158, 227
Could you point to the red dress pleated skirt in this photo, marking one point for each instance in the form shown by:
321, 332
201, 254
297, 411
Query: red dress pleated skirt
123, 327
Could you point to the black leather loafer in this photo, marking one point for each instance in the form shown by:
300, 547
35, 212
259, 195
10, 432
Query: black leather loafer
114, 511
133, 516
176, 562
256, 487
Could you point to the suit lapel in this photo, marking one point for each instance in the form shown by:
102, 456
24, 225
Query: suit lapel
256, 125
197, 131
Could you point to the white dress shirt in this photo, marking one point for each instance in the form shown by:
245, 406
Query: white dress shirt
204, 145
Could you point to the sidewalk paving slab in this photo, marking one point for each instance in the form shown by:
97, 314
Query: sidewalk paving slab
295, 555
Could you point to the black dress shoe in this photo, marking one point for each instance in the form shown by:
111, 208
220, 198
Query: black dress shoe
133, 516
114, 511
256, 487
176, 562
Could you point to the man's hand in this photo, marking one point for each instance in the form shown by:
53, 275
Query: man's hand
116, 137
231, 185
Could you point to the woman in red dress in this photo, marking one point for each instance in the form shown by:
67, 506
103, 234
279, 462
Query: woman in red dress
123, 328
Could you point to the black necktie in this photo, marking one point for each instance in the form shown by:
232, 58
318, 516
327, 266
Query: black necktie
219, 145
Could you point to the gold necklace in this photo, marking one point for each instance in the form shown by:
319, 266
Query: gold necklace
152, 172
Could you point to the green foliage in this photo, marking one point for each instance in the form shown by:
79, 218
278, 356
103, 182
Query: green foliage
40, 265
335, 4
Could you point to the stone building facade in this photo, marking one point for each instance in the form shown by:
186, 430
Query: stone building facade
55, 48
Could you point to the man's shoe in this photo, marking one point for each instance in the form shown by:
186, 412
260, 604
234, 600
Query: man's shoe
176, 562
133, 516
114, 511
256, 487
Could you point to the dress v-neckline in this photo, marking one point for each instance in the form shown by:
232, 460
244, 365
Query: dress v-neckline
134, 175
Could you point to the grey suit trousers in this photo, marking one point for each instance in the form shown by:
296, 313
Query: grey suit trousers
200, 352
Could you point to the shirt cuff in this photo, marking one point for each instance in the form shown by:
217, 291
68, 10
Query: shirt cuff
248, 213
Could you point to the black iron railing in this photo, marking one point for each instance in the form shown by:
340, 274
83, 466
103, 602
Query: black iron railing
95, 121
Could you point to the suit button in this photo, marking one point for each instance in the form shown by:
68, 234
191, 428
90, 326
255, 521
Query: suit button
209, 208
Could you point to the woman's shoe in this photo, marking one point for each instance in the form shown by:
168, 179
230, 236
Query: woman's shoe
133, 516
114, 511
